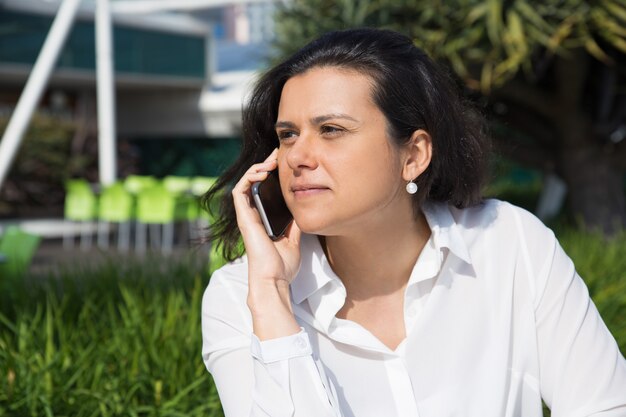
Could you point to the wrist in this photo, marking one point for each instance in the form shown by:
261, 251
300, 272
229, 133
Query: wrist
270, 306
269, 296
275, 327
272, 319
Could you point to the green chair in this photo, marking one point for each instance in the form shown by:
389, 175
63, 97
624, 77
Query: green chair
200, 185
185, 210
77, 184
115, 205
202, 218
177, 185
155, 207
18, 248
80, 209
135, 184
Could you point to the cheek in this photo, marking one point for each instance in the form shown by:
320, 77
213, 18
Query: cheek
283, 171
373, 166
280, 156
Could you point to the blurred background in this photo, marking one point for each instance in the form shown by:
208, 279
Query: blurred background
117, 115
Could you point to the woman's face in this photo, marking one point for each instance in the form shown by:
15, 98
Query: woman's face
338, 169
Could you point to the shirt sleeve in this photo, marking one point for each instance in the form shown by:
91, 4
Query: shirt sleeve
271, 378
582, 372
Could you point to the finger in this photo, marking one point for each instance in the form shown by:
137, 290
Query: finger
268, 165
248, 179
293, 233
272, 156
247, 218
262, 167
289, 249
256, 173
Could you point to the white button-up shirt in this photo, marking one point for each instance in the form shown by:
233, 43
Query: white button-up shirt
496, 319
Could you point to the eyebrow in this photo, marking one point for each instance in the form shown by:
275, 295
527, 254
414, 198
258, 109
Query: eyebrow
317, 120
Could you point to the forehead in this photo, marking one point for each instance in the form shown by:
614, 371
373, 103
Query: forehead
323, 90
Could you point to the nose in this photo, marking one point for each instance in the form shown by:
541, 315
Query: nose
302, 153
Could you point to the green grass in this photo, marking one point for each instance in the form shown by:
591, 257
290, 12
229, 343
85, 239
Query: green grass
124, 338
114, 340
602, 264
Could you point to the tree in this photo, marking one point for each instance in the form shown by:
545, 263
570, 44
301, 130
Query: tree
41, 166
552, 75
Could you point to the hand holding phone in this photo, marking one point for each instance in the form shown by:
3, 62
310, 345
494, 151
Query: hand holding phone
269, 201
272, 265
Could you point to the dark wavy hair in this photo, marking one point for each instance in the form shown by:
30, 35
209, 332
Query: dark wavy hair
411, 91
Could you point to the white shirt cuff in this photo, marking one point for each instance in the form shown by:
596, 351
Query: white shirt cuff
281, 348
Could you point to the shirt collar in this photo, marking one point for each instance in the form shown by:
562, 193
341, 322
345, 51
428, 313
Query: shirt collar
315, 271
446, 232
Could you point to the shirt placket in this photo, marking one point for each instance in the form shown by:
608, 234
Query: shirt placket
398, 375
400, 380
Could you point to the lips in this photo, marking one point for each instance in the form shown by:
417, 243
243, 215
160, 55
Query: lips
308, 187
304, 190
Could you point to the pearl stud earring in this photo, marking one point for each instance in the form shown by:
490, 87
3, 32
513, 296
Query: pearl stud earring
411, 187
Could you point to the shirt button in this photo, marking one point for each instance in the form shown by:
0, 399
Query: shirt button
412, 311
300, 343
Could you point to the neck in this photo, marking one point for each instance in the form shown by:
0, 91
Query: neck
378, 259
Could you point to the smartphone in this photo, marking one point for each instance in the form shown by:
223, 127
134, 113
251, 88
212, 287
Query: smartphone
269, 201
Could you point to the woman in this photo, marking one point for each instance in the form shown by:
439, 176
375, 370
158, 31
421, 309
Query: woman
396, 291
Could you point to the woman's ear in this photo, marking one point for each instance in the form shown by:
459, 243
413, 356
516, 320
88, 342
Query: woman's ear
419, 152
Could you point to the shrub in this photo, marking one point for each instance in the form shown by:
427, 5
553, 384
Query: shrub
124, 338
602, 264
113, 340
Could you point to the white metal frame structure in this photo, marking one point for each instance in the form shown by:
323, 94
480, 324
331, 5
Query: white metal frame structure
105, 85
35, 84
152, 6
42, 69
38, 79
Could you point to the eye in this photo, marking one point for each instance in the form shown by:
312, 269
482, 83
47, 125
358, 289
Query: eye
284, 135
328, 130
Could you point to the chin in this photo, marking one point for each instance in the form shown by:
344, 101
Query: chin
313, 224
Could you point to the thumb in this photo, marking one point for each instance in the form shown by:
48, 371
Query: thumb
293, 234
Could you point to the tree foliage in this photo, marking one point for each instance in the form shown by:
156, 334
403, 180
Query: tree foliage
41, 166
553, 75
487, 42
